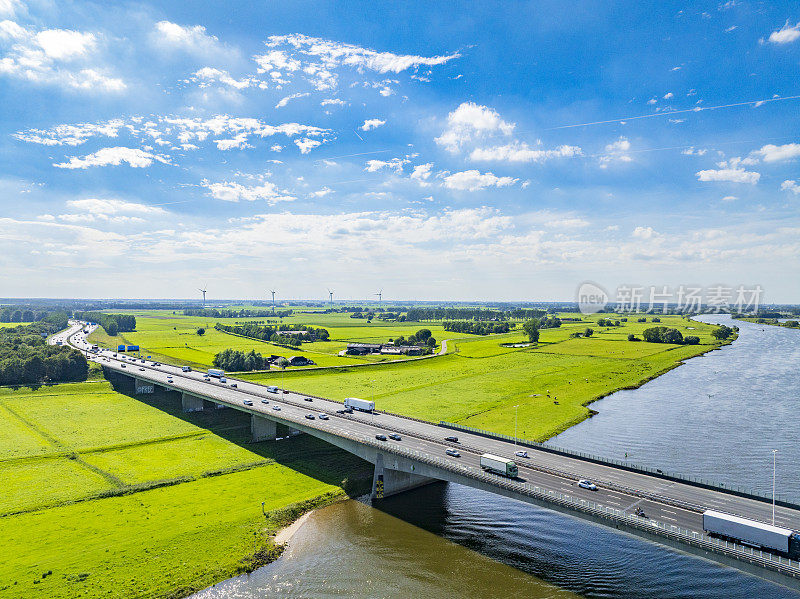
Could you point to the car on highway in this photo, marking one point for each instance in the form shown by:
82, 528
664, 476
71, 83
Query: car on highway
587, 484
451, 439
453, 453
123, 365
222, 379
341, 411
323, 417
521, 454
247, 402
273, 389
264, 401
310, 416
205, 378
276, 408
380, 437
234, 385
395, 437
307, 399
186, 368
141, 370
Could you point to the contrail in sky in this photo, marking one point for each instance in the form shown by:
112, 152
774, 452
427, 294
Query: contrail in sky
671, 112
351, 155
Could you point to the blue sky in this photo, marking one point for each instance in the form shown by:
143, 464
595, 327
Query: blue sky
435, 151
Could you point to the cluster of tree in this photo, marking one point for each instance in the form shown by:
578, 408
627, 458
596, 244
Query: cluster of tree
667, 335
422, 337
369, 315
644, 319
527, 314
230, 313
26, 359
723, 332
113, 324
475, 328
22, 314
239, 361
607, 322
549, 322
277, 333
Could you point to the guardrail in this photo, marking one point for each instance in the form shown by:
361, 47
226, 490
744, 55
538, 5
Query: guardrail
655, 472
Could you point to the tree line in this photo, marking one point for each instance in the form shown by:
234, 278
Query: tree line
230, 313
113, 324
26, 359
475, 328
277, 333
666, 335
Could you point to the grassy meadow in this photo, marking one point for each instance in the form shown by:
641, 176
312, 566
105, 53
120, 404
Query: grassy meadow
106, 495
480, 382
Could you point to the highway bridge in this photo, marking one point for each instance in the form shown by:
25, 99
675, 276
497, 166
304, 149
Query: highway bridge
672, 509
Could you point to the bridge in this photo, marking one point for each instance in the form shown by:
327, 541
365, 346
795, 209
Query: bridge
672, 509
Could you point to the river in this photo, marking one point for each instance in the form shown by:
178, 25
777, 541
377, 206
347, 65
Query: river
718, 416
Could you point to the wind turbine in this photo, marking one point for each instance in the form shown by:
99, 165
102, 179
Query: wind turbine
273, 300
330, 293
203, 291
380, 295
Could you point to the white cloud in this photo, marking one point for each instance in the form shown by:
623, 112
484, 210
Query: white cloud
333, 54
790, 185
521, 152
786, 34
422, 173
473, 180
70, 135
114, 157
567, 223
306, 144
644, 233
9, 8
209, 75
470, 121
192, 39
370, 124
732, 175
729, 199
616, 151
395, 164
113, 207
59, 57
62, 44
669, 96
321, 193
276, 147
692, 151
284, 101
230, 191
333, 102
772, 153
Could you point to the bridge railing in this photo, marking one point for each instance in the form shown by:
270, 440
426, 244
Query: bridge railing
701, 540
781, 500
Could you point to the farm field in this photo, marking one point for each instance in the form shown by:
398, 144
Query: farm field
482, 382
109, 495
173, 337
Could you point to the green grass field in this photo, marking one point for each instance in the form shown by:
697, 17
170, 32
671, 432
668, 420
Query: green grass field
106, 495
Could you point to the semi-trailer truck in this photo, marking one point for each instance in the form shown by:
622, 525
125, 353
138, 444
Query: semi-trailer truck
359, 404
751, 532
498, 465
215, 372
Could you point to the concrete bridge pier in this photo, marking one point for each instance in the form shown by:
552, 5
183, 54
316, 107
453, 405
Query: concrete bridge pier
262, 429
388, 481
191, 403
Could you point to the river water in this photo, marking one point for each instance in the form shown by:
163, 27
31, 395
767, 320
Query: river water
718, 416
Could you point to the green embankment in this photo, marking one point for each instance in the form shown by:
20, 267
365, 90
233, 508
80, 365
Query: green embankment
105, 495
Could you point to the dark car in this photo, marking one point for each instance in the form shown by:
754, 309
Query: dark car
310, 416
234, 385
247, 402
451, 439
264, 401
395, 437
307, 399
380, 437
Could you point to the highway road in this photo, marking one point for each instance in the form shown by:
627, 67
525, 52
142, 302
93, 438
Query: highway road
672, 503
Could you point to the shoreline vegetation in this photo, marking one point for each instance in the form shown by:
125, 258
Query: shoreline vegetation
186, 489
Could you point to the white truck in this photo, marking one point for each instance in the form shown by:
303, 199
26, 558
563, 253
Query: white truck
498, 465
215, 372
359, 404
752, 532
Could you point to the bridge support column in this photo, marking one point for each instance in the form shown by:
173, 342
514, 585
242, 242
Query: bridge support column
386, 481
262, 428
141, 386
191, 403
